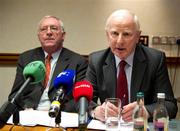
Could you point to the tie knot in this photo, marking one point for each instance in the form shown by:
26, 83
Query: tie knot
48, 57
122, 64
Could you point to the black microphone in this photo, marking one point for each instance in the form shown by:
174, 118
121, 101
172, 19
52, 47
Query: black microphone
34, 72
63, 84
83, 92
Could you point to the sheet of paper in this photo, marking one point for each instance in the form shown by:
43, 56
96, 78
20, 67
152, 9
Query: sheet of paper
34, 117
95, 124
27, 118
69, 119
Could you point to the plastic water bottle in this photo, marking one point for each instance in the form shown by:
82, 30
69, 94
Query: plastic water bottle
140, 114
160, 116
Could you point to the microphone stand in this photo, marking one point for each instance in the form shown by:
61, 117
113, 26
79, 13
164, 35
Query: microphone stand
58, 117
83, 117
10, 107
82, 127
16, 118
6, 111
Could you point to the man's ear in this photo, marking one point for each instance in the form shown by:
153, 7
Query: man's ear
138, 36
63, 35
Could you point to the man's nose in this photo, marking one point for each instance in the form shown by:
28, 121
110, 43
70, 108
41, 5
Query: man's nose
119, 38
49, 31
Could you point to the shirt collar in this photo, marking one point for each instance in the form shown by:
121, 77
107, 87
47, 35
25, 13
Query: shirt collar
54, 55
129, 59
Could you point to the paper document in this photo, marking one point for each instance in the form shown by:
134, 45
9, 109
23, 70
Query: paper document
34, 117
98, 125
95, 124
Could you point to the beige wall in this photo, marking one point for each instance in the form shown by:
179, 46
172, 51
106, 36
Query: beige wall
6, 80
84, 22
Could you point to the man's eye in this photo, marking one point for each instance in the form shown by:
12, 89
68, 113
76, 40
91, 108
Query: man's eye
43, 29
126, 34
115, 33
54, 28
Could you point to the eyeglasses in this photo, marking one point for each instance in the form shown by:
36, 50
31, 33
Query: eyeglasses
124, 34
52, 28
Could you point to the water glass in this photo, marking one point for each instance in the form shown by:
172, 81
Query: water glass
112, 114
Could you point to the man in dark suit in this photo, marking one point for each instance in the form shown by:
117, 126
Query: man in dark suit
145, 70
51, 35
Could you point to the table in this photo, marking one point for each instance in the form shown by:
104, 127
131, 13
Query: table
174, 125
9, 127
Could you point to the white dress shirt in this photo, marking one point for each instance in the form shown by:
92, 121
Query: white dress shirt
44, 103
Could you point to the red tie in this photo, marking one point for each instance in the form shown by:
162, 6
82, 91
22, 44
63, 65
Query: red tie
48, 69
122, 89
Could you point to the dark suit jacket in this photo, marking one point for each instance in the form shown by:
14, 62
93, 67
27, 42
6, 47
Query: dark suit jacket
149, 75
32, 94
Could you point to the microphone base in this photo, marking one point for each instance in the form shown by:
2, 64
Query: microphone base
82, 127
6, 111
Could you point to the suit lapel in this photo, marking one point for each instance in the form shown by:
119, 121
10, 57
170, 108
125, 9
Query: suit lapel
109, 71
61, 65
40, 56
138, 72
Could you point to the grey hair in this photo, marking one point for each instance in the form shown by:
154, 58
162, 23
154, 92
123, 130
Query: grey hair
51, 16
121, 12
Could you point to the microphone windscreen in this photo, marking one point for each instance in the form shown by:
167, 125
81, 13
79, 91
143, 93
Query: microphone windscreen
65, 79
36, 70
83, 89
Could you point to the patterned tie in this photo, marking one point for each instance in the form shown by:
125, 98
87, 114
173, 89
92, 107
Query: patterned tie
48, 69
122, 89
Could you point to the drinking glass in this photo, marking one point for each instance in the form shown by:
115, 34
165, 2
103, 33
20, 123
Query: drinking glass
112, 114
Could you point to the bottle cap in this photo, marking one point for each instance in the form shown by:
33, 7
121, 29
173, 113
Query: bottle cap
161, 95
140, 94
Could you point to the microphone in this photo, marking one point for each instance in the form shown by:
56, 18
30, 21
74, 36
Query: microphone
33, 72
83, 93
63, 83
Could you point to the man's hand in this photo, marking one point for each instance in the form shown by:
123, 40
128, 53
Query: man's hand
127, 112
99, 112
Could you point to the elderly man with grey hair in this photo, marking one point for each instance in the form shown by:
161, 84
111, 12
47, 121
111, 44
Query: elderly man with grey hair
145, 70
51, 34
